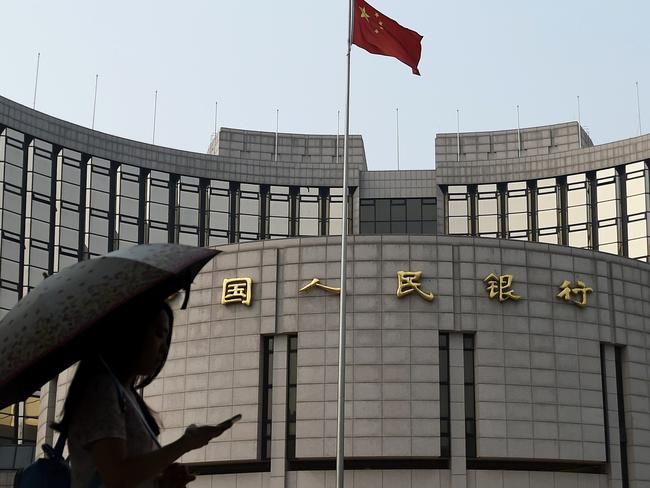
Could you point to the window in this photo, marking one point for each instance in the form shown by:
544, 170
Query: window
470, 409
608, 239
249, 212
458, 210
637, 198
219, 212
397, 216
308, 211
488, 211
128, 205
547, 211
68, 214
517, 210
335, 212
578, 211
445, 420
292, 382
98, 178
188, 211
266, 417
158, 207
279, 212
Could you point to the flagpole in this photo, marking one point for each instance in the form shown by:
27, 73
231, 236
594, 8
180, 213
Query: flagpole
340, 419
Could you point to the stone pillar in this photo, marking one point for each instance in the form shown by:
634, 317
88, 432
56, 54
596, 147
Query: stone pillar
457, 468
279, 413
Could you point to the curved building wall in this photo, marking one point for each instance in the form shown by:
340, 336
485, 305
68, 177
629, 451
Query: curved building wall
462, 390
68, 193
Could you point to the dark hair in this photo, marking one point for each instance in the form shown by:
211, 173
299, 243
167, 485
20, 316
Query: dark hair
120, 346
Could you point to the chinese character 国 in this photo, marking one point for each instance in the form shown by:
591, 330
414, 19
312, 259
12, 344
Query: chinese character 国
237, 290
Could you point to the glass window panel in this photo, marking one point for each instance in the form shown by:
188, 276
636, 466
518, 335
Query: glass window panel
382, 210
458, 225
308, 211
398, 210
414, 209
335, 226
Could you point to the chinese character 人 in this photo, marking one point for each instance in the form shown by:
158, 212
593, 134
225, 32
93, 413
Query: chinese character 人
580, 289
409, 282
315, 282
499, 286
237, 290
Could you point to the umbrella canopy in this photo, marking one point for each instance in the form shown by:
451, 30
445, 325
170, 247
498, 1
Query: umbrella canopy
53, 326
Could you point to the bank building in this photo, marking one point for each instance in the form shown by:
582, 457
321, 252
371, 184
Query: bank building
498, 330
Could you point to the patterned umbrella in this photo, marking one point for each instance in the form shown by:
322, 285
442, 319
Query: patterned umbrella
52, 326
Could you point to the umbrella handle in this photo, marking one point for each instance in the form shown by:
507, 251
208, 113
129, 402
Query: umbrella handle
187, 297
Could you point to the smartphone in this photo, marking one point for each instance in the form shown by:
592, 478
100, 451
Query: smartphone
226, 424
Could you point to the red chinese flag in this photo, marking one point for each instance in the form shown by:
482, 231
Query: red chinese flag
378, 34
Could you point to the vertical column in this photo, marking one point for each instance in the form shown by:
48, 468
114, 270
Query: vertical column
172, 207
472, 194
279, 412
563, 217
55, 216
233, 230
82, 250
112, 206
621, 220
502, 209
458, 466
610, 410
592, 196
203, 211
264, 211
23, 221
533, 222
442, 210
293, 210
142, 205
323, 207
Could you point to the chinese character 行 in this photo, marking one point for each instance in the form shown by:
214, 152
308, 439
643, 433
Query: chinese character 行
498, 286
237, 290
580, 289
315, 282
408, 282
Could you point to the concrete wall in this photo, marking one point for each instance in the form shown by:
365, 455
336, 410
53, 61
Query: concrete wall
538, 372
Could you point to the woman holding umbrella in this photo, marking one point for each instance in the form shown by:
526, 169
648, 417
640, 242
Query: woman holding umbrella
110, 315
111, 431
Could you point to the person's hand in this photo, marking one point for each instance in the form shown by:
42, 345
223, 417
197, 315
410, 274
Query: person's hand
176, 476
195, 436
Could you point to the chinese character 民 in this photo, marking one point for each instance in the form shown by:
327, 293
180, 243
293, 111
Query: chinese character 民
580, 289
498, 286
237, 290
316, 283
408, 282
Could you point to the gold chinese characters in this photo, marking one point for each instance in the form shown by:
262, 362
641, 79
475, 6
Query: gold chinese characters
409, 282
237, 290
499, 287
581, 290
316, 283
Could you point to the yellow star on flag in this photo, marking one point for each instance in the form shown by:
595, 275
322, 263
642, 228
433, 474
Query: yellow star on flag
364, 14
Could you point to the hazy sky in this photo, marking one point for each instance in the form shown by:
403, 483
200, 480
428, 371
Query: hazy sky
482, 57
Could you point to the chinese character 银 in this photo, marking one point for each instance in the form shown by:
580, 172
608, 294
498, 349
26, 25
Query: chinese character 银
499, 287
